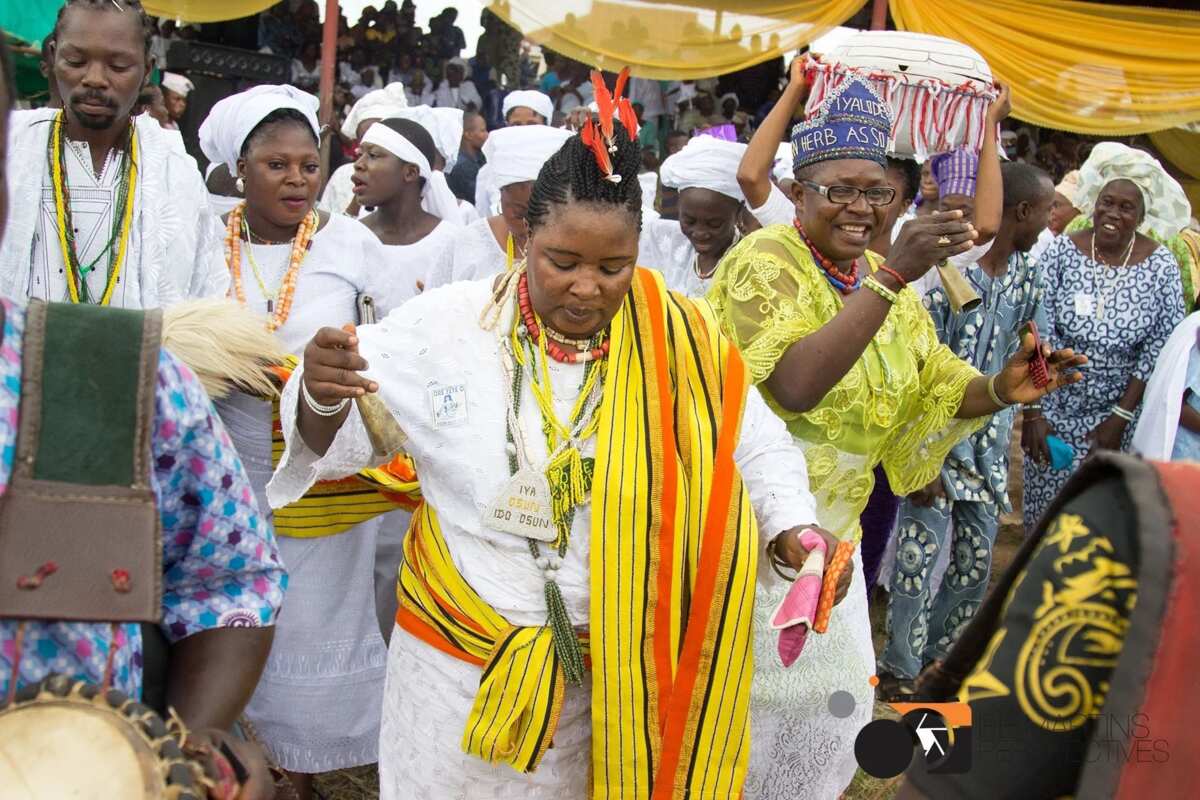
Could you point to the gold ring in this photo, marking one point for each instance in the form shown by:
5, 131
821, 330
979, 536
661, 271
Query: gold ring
943, 240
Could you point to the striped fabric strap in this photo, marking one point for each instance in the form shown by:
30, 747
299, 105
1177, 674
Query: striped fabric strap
673, 557
520, 695
333, 507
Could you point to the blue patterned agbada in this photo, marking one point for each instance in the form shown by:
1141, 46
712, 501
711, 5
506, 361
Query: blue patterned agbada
922, 626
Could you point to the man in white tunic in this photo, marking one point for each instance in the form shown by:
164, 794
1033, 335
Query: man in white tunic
117, 215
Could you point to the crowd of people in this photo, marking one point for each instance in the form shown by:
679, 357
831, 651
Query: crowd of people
559, 424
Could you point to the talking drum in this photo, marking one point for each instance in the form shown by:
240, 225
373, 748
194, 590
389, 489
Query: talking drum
938, 89
64, 738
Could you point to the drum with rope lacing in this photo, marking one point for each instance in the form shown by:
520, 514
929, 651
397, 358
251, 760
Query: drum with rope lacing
63, 738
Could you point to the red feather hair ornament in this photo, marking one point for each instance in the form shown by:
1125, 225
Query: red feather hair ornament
598, 136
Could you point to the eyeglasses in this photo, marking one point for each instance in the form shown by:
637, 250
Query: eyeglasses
846, 195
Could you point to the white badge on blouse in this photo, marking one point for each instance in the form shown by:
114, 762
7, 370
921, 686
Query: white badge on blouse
1085, 305
448, 405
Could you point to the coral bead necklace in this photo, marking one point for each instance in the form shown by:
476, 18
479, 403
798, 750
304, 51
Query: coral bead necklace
532, 325
279, 304
845, 282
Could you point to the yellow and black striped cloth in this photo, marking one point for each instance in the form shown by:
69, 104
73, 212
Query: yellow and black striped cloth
673, 559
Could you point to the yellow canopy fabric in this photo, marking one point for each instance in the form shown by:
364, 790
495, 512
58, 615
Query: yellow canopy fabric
1078, 66
1181, 147
685, 39
205, 10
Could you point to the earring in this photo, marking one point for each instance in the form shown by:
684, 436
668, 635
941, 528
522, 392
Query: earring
240, 185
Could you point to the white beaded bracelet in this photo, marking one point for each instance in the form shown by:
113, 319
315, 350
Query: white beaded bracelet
320, 409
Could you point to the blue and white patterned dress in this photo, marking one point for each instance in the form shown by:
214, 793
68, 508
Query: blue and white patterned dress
220, 563
1141, 305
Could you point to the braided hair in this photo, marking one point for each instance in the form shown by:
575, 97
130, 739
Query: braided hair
572, 175
119, 6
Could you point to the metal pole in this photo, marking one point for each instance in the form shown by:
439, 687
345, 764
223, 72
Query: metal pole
879, 15
328, 64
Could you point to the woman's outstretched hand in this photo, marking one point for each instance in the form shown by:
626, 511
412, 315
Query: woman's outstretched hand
929, 240
1014, 383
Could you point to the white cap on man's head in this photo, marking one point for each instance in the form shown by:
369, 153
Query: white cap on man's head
540, 103
174, 82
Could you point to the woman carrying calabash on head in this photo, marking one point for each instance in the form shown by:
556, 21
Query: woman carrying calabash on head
1114, 291
848, 357
592, 468
317, 704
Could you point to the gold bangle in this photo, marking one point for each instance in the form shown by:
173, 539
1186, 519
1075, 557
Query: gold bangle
872, 283
991, 389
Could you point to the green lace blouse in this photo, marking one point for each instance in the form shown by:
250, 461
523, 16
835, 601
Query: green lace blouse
896, 406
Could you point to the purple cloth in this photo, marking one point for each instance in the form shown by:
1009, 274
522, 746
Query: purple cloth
220, 564
878, 520
955, 172
726, 133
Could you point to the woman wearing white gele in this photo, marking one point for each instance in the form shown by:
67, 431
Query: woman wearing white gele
317, 704
393, 175
1113, 291
712, 214
491, 245
373, 106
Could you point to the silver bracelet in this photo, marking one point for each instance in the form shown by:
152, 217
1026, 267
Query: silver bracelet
1123, 413
991, 389
320, 409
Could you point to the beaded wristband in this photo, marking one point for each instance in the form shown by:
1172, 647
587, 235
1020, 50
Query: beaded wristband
991, 390
320, 409
899, 278
1123, 413
878, 288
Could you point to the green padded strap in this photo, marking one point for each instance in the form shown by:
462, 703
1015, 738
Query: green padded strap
98, 375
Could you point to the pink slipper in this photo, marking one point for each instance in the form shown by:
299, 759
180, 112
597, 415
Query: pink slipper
794, 615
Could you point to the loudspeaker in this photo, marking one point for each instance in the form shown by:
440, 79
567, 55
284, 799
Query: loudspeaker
227, 62
218, 72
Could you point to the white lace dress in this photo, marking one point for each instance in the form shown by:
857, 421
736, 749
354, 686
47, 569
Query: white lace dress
434, 342
316, 706
429, 261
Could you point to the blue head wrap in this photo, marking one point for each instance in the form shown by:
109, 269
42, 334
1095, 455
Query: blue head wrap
853, 122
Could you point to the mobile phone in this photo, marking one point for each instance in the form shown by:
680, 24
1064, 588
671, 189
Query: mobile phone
1039, 371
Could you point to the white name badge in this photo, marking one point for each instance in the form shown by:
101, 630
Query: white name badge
1085, 305
448, 405
523, 508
